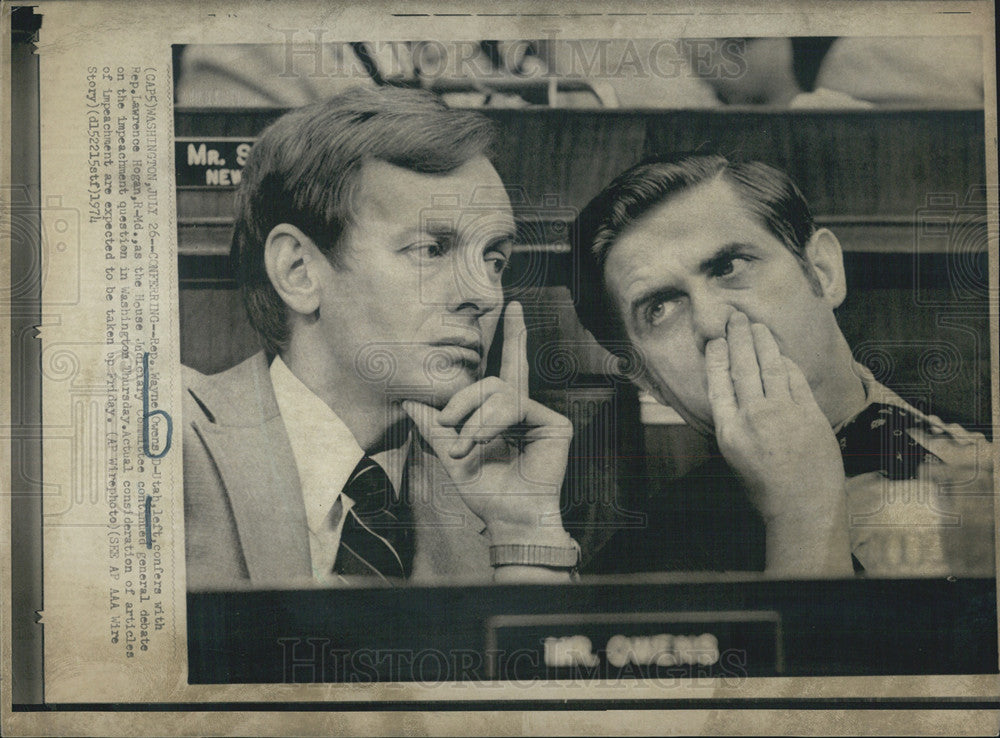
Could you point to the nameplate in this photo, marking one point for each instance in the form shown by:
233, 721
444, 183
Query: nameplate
211, 162
731, 644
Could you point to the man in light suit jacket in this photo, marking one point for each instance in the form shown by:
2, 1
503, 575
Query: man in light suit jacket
370, 240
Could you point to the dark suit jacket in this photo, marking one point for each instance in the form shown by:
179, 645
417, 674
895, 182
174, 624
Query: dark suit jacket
699, 522
900, 525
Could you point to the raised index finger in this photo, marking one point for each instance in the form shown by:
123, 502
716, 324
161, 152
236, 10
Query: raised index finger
514, 358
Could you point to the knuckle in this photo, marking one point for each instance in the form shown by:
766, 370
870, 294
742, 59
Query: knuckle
726, 438
494, 384
716, 395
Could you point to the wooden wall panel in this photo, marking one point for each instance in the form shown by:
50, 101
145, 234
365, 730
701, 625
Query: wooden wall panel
846, 162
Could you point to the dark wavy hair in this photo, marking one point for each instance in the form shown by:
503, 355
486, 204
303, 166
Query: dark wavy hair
767, 193
304, 170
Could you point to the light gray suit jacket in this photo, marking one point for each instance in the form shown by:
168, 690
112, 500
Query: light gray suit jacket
245, 519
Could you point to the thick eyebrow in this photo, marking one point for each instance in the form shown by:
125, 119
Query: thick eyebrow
446, 228
437, 230
434, 227
724, 254
706, 266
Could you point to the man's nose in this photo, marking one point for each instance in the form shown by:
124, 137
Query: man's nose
709, 316
474, 288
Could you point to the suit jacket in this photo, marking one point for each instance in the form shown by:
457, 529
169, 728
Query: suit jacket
939, 522
245, 519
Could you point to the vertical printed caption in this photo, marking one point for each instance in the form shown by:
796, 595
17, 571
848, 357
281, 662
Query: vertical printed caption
122, 109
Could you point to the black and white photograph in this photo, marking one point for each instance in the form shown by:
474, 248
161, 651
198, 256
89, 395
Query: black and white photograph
621, 315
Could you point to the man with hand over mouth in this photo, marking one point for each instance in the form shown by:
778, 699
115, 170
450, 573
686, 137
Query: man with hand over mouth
716, 275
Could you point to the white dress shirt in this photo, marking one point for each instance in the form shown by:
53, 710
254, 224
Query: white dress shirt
326, 453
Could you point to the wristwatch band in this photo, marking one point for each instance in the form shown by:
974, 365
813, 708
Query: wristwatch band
520, 554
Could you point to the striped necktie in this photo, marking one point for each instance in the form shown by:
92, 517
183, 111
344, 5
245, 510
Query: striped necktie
377, 538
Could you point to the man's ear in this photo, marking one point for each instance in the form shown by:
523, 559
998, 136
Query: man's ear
290, 258
824, 253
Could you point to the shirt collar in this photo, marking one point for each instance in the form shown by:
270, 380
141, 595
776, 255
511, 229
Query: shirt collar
324, 448
875, 391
